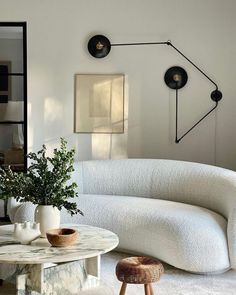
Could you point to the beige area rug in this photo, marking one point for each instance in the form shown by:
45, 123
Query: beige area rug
173, 282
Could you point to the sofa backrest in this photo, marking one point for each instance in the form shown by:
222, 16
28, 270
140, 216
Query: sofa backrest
191, 183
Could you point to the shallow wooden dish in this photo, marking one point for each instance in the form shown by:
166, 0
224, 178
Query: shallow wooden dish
62, 237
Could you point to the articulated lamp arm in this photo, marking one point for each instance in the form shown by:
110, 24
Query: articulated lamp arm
99, 46
178, 139
216, 96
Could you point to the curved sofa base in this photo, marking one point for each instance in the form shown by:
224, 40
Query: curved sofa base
212, 273
188, 237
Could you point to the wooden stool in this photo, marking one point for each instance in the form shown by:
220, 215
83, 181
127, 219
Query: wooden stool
139, 270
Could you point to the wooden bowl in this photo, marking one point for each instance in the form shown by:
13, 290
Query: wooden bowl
62, 237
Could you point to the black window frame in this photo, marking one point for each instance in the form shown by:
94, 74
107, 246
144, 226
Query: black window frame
23, 25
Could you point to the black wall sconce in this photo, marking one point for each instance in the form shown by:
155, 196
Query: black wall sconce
175, 78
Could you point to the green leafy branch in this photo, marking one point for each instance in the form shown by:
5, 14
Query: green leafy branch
46, 180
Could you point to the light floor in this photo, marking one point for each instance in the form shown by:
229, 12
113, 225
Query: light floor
173, 282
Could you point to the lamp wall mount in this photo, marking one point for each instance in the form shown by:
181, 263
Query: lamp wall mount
99, 46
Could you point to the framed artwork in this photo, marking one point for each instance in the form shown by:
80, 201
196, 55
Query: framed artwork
5, 81
99, 103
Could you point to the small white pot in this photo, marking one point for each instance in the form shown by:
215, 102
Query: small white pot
48, 217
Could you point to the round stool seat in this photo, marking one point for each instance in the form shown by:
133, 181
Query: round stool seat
139, 270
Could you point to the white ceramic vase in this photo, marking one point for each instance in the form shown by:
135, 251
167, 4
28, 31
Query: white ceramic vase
48, 217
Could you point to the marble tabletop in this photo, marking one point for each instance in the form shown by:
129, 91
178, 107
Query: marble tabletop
91, 242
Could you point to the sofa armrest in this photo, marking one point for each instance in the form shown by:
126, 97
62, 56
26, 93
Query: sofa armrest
231, 232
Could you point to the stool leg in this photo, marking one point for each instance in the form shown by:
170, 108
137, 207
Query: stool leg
151, 289
123, 289
147, 290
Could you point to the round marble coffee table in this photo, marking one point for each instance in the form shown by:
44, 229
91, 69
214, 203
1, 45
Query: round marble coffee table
41, 269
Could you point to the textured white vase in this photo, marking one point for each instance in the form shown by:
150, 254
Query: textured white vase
48, 217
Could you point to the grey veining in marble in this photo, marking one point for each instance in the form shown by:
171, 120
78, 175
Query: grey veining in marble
67, 278
92, 241
40, 268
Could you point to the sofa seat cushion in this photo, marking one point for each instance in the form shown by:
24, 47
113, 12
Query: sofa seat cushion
186, 236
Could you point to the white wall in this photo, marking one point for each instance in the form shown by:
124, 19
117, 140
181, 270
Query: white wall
58, 31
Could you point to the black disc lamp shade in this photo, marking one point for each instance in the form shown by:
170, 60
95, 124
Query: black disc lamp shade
99, 46
216, 95
175, 77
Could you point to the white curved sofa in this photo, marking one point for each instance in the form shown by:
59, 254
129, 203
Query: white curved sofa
180, 212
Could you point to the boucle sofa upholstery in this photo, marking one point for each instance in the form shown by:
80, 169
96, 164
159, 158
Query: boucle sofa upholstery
180, 212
